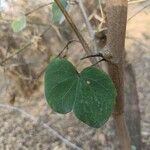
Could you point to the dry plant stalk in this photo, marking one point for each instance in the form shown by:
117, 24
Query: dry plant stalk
117, 18
116, 21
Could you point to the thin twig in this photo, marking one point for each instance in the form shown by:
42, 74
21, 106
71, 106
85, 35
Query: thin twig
135, 1
36, 120
44, 5
138, 12
44, 69
45, 31
101, 9
73, 26
55, 29
84, 14
66, 46
98, 62
19, 51
94, 55
23, 48
88, 25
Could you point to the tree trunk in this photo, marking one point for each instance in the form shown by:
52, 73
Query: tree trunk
116, 22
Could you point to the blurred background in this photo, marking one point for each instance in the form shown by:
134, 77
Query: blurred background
26, 121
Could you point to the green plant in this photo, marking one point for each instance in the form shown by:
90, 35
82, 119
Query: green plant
117, 17
90, 94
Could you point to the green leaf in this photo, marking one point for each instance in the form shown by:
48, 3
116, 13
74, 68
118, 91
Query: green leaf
90, 94
19, 24
95, 97
57, 14
60, 85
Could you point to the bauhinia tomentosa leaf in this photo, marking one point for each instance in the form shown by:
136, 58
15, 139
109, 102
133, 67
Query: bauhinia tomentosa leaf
57, 14
90, 94
19, 24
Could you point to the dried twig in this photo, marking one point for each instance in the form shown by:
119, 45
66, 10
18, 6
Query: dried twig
55, 29
102, 19
36, 120
138, 12
135, 1
74, 27
101, 9
66, 46
16, 53
88, 25
44, 5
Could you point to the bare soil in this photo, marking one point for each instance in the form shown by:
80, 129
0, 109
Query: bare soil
36, 126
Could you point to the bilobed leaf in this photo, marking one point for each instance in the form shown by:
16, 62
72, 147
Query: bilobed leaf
19, 24
60, 85
90, 94
95, 97
57, 14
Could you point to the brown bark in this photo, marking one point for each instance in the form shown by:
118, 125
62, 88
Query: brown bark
116, 16
116, 21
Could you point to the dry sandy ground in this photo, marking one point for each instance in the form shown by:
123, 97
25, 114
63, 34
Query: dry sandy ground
37, 131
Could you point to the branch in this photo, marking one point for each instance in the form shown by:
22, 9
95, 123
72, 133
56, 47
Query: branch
74, 27
116, 22
24, 47
135, 1
16, 53
138, 12
101, 9
88, 25
32, 11
66, 46
36, 120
